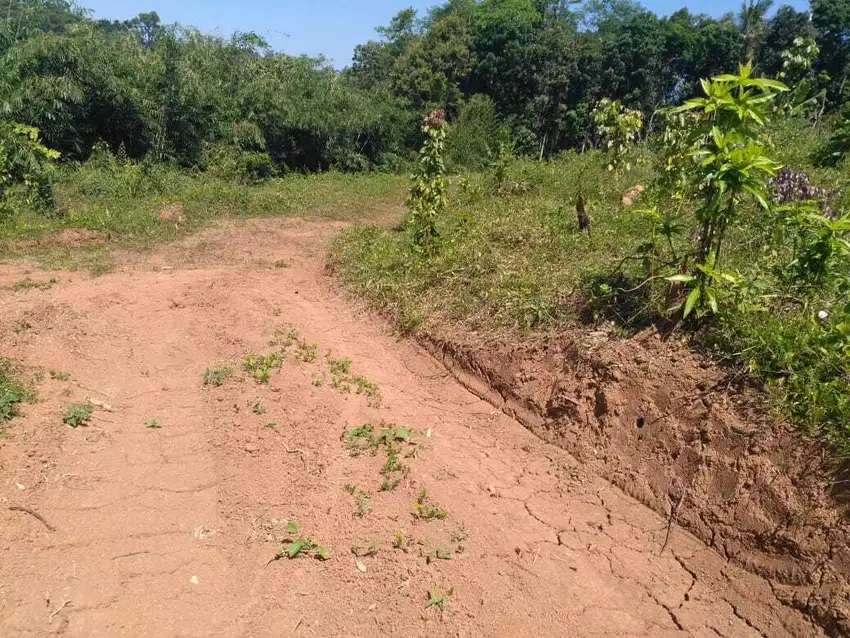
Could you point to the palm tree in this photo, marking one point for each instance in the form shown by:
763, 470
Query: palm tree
753, 24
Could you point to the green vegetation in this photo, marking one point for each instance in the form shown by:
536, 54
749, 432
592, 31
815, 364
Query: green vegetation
437, 597
295, 546
260, 366
29, 284
153, 424
425, 510
718, 199
13, 390
217, 375
77, 414
753, 256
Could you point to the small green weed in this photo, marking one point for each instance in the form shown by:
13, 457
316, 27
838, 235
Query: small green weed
271, 426
364, 504
258, 408
364, 386
349, 488
342, 379
282, 263
153, 424
217, 376
438, 598
388, 485
306, 352
296, 546
60, 376
394, 466
424, 510
401, 541
260, 366
361, 439
284, 341
12, 390
364, 439
77, 414
338, 367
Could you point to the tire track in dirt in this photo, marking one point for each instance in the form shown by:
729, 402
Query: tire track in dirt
547, 548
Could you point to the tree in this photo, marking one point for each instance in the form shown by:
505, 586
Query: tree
753, 25
831, 19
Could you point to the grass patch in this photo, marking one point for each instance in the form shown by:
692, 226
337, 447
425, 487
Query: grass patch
122, 203
29, 284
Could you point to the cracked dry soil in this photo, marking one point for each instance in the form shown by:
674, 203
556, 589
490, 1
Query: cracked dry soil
169, 531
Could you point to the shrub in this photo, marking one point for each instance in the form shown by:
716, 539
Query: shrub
25, 163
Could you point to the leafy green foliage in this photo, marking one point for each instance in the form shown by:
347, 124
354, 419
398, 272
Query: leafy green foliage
26, 162
438, 597
295, 545
728, 164
425, 510
427, 200
77, 414
260, 366
618, 129
153, 424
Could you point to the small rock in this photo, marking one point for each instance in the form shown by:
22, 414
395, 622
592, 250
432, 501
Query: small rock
252, 448
360, 566
755, 449
194, 580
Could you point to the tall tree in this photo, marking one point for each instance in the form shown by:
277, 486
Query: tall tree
753, 21
831, 18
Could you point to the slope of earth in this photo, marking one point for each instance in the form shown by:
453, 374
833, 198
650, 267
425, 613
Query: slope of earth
481, 529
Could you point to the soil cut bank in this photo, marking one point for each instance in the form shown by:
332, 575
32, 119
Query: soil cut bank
170, 504
662, 425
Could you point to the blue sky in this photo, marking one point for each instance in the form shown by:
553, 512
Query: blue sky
331, 27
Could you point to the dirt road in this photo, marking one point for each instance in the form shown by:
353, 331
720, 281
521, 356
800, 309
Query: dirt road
169, 531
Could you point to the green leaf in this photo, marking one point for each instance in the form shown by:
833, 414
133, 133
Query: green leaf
295, 548
691, 301
682, 278
322, 553
292, 528
712, 300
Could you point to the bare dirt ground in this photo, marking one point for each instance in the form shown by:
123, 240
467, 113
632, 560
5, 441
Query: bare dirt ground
170, 531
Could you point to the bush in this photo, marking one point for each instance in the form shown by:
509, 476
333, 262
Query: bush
231, 164
26, 165
474, 136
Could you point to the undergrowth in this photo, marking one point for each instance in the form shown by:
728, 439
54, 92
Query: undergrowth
774, 309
